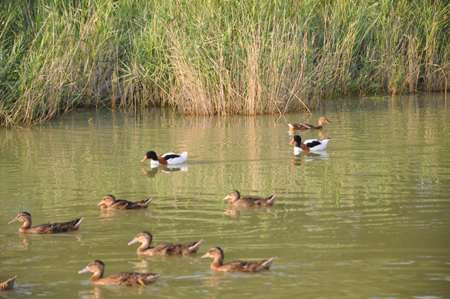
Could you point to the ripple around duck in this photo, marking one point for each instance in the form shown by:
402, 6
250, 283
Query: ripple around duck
348, 223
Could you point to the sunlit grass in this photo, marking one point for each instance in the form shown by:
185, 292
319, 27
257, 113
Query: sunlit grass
214, 57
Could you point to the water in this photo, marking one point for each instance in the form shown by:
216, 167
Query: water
367, 218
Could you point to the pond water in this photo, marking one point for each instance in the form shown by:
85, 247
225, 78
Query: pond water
367, 218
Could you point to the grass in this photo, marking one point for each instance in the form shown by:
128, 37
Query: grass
214, 57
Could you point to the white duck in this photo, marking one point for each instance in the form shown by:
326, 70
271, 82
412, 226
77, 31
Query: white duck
309, 145
169, 158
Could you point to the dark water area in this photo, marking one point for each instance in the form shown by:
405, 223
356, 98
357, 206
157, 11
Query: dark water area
369, 217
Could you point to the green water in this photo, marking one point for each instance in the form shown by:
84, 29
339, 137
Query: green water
367, 218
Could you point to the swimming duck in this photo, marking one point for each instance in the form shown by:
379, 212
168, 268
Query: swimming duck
117, 279
237, 266
169, 158
309, 145
7, 284
236, 200
54, 228
109, 202
165, 248
308, 126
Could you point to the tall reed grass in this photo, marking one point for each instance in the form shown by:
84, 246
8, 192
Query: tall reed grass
214, 57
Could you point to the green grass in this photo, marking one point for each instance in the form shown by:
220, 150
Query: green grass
214, 57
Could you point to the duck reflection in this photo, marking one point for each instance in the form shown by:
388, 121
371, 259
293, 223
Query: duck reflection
235, 212
27, 240
166, 168
100, 292
312, 156
114, 214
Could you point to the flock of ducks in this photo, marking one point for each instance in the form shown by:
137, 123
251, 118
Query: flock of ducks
109, 202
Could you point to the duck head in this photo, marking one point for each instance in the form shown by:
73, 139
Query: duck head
143, 237
297, 139
233, 195
22, 217
107, 200
150, 155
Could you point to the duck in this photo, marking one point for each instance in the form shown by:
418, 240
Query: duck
7, 284
236, 266
49, 228
165, 248
236, 200
117, 279
169, 158
322, 120
309, 145
109, 202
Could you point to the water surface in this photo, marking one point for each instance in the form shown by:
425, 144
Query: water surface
367, 218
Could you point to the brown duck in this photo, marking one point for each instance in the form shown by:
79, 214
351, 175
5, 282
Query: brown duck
54, 228
236, 200
165, 248
109, 202
117, 279
7, 284
237, 266
322, 120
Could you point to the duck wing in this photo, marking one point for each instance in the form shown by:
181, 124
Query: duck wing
301, 126
54, 228
163, 249
169, 156
240, 266
129, 278
310, 143
123, 204
255, 201
67, 226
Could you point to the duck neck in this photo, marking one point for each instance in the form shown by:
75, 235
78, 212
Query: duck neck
26, 224
144, 246
97, 275
218, 261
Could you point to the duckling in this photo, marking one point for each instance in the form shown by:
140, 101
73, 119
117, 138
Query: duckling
109, 202
117, 279
7, 284
236, 200
169, 158
165, 248
54, 228
308, 126
237, 266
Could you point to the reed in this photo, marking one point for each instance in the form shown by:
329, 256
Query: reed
214, 57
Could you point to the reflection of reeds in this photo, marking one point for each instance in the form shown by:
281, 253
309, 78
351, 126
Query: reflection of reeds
253, 57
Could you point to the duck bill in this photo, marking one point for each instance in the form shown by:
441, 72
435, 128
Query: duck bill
206, 255
85, 270
226, 197
135, 240
145, 159
14, 220
292, 142
100, 203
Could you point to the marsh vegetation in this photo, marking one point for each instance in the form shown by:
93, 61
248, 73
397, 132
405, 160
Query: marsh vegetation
214, 57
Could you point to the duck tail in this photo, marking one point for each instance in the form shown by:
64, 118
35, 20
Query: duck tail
271, 199
184, 155
196, 246
152, 278
268, 263
78, 223
8, 284
290, 126
146, 202
325, 141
